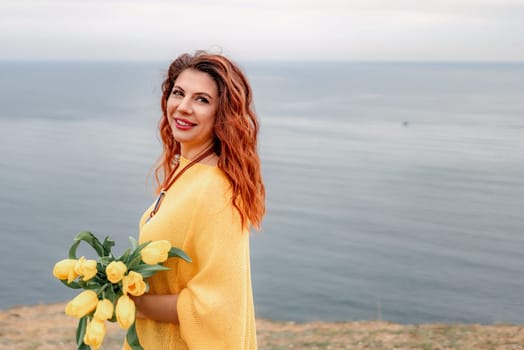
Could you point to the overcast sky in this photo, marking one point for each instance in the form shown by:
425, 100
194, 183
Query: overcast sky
422, 30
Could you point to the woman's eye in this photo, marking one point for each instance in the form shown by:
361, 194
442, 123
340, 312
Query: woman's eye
202, 99
177, 93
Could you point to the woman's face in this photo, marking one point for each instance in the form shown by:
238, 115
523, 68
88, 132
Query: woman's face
191, 110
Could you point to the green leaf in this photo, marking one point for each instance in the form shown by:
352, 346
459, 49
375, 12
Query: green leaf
108, 244
148, 274
134, 243
125, 257
132, 338
135, 262
105, 260
149, 270
101, 268
80, 333
175, 252
91, 285
72, 250
117, 288
90, 239
135, 257
73, 284
141, 247
111, 295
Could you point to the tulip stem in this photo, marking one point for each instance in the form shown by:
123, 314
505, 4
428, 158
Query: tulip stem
102, 290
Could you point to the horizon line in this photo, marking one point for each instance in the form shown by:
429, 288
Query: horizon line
333, 61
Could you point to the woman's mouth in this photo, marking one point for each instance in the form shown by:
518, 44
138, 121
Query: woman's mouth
183, 124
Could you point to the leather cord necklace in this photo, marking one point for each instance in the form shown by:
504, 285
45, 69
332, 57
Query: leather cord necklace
164, 189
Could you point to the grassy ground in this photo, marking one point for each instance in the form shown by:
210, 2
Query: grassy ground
46, 327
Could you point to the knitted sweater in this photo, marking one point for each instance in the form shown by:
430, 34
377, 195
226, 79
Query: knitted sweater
215, 304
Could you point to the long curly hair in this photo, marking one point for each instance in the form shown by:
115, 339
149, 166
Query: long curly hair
235, 132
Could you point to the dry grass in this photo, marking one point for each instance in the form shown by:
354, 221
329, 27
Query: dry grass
46, 327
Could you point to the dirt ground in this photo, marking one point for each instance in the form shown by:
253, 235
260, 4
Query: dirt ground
47, 327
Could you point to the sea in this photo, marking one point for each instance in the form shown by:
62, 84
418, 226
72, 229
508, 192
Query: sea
395, 190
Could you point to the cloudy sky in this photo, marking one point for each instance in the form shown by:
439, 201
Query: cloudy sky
435, 30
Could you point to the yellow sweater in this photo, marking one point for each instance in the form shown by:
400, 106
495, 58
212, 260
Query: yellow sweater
215, 304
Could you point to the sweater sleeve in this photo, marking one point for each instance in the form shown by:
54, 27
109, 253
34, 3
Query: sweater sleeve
215, 308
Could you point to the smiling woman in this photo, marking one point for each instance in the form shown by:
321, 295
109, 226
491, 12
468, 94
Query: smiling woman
210, 192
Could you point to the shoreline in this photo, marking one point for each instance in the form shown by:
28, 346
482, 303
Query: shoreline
45, 326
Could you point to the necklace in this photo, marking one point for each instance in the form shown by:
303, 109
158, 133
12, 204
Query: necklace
164, 189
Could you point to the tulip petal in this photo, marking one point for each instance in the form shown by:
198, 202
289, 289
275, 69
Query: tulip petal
156, 252
115, 271
82, 304
95, 333
125, 311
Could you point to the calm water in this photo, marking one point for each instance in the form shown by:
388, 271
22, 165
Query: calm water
395, 191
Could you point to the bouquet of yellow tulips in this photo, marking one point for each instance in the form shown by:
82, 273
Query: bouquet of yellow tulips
107, 284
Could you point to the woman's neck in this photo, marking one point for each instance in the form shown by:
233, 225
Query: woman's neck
191, 153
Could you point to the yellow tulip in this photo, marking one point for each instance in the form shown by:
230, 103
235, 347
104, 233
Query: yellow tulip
115, 271
65, 270
86, 268
95, 333
82, 304
104, 310
156, 252
125, 311
133, 284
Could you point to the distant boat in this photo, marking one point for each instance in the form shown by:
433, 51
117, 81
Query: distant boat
405, 123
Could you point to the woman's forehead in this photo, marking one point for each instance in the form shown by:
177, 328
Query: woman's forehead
196, 81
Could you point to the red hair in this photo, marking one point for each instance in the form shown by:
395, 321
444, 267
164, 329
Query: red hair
235, 132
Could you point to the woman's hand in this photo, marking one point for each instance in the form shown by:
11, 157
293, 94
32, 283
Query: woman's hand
138, 305
158, 307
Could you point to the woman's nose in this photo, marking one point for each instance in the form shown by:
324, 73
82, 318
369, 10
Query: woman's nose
185, 106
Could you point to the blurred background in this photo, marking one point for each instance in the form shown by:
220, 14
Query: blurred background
392, 146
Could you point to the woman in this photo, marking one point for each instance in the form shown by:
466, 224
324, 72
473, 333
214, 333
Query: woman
206, 204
